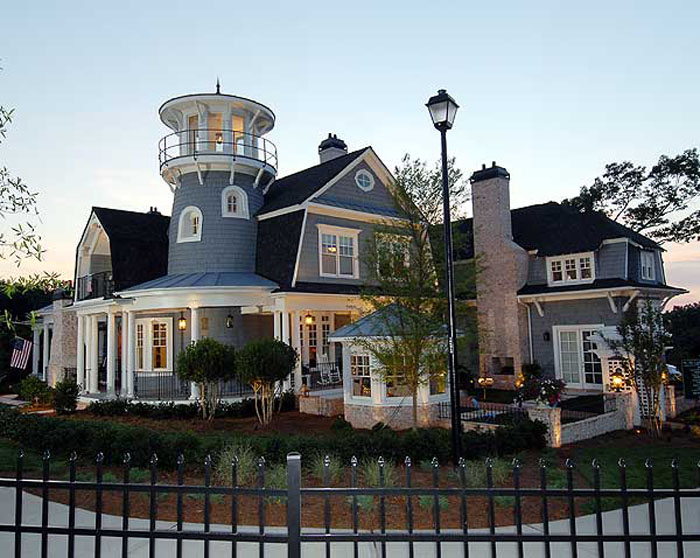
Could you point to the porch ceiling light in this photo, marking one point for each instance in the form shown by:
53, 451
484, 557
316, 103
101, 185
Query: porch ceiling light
443, 110
182, 322
309, 319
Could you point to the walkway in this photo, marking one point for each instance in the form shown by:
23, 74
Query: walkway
111, 548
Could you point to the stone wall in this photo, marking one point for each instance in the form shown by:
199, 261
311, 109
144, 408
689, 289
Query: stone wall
321, 406
64, 342
398, 417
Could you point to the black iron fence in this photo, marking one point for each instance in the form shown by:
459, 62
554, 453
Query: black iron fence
486, 413
648, 521
167, 386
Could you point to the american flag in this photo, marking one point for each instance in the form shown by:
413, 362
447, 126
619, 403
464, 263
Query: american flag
21, 349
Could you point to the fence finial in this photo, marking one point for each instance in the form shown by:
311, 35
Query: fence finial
595, 463
46, 455
434, 462
570, 463
100, 457
353, 461
621, 463
407, 461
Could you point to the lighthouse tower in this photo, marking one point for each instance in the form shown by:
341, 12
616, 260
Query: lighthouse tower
217, 163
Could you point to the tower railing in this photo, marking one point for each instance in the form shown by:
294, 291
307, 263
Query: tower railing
217, 142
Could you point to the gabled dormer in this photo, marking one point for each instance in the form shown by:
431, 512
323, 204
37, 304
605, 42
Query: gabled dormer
119, 249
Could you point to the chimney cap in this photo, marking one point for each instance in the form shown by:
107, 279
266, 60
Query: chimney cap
494, 171
332, 141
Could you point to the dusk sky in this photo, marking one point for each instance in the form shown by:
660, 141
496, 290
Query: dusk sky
551, 91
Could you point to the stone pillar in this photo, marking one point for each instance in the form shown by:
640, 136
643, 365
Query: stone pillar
124, 352
194, 329
80, 354
93, 381
130, 354
111, 350
46, 356
550, 416
36, 339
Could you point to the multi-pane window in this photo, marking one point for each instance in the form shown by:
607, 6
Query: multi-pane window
325, 332
139, 347
312, 336
360, 372
578, 362
569, 355
192, 131
438, 383
571, 269
396, 387
338, 252
190, 225
592, 365
159, 353
232, 203
194, 224
647, 265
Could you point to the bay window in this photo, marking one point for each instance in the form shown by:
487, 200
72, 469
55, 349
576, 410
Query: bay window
360, 373
574, 268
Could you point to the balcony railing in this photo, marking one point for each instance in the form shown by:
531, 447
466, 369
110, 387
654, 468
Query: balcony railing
95, 285
211, 141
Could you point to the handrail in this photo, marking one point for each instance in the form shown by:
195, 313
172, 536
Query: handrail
216, 141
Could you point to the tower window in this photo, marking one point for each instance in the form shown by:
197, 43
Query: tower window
234, 202
190, 225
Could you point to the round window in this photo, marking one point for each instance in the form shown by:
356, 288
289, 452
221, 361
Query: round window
364, 180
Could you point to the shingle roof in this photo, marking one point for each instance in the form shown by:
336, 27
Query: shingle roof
322, 288
552, 229
297, 187
597, 284
277, 247
209, 279
138, 244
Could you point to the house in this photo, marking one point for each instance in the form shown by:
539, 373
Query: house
246, 254
550, 278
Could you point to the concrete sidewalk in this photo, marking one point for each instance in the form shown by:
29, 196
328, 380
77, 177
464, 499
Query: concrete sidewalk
138, 548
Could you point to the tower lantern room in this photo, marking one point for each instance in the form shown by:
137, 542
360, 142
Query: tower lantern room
216, 132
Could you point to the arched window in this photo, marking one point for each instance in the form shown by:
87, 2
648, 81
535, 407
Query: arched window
234, 202
190, 225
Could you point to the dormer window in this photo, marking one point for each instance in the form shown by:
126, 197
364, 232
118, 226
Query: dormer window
234, 202
338, 252
190, 225
647, 265
574, 268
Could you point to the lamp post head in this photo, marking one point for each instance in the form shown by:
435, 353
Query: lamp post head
443, 110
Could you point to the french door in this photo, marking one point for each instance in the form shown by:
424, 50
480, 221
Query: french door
576, 361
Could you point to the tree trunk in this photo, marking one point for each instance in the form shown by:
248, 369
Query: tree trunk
415, 407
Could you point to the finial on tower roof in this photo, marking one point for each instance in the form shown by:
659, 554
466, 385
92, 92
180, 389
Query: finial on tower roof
218, 86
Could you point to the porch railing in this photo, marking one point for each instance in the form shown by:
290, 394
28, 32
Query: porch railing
323, 375
166, 386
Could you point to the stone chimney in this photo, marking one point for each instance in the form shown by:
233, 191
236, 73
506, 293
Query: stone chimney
502, 265
331, 148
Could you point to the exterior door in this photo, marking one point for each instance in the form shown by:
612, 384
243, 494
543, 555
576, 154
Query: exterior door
576, 362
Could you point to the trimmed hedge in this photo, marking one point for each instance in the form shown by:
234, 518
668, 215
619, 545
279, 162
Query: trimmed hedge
182, 411
87, 438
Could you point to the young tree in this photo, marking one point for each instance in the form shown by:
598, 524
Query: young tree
683, 322
264, 364
404, 288
658, 202
643, 341
207, 362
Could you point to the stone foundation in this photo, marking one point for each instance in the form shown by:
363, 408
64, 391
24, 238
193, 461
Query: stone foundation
398, 417
321, 406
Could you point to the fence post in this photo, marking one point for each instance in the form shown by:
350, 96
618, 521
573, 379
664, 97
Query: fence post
293, 505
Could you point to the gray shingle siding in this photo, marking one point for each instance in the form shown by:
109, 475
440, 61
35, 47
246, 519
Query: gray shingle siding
227, 244
574, 312
635, 269
246, 327
536, 271
345, 190
308, 261
610, 261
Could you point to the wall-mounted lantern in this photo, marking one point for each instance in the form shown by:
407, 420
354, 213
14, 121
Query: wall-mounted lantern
309, 319
182, 322
617, 380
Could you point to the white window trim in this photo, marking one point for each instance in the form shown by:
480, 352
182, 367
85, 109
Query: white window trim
242, 212
181, 221
148, 344
577, 257
558, 373
652, 256
339, 231
364, 172
372, 379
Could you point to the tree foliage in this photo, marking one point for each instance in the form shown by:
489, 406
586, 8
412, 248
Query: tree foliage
684, 324
643, 342
264, 364
659, 202
207, 362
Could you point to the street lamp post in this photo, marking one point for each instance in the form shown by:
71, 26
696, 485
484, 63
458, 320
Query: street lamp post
443, 110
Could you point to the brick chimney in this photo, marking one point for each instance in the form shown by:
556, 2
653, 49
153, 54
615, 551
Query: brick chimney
331, 148
502, 266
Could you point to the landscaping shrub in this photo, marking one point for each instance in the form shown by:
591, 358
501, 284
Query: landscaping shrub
340, 425
33, 389
317, 466
65, 398
246, 469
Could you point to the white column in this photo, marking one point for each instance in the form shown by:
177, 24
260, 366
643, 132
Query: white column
276, 327
124, 352
296, 344
47, 350
80, 372
94, 375
35, 351
194, 336
284, 336
130, 354
111, 350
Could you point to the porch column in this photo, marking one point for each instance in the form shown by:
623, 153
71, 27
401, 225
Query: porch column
130, 352
46, 355
277, 330
194, 336
111, 350
94, 374
295, 343
125, 353
36, 339
80, 372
